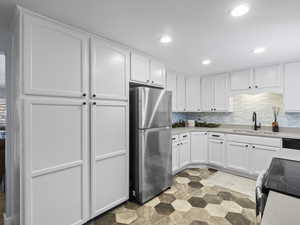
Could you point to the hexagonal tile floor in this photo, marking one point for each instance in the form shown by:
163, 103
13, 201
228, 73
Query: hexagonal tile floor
190, 201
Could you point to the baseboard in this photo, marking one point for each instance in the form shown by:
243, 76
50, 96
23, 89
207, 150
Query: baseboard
7, 220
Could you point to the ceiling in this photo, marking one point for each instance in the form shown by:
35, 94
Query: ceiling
200, 28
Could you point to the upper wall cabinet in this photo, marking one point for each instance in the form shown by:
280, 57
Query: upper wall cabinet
171, 86
147, 71
140, 68
214, 93
55, 59
180, 98
257, 79
266, 77
110, 70
241, 80
291, 87
157, 73
193, 94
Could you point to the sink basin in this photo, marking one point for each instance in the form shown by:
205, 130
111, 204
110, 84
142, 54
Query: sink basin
254, 131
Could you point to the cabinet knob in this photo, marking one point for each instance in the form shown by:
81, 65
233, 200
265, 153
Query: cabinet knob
249, 87
152, 82
94, 103
246, 146
221, 142
84, 94
148, 81
256, 86
253, 146
94, 95
84, 103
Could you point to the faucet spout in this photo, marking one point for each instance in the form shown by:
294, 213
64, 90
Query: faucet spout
254, 119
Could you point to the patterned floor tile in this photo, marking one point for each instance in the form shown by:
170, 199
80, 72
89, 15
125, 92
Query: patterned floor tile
190, 201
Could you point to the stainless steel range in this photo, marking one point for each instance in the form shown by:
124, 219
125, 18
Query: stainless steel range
150, 142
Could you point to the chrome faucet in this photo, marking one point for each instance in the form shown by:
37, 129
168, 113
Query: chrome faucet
254, 119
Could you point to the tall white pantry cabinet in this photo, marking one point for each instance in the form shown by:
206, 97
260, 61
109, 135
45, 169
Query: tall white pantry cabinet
70, 121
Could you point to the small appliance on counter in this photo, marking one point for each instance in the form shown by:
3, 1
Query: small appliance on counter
191, 123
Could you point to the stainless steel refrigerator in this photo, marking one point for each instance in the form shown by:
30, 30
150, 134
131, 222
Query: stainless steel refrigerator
150, 142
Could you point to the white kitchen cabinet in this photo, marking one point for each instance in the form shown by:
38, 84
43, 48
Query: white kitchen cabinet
140, 68
55, 59
291, 87
267, 77
238, 157
199, 147
207, 94
171, 86
221, 97
193, 94
184, 154
109, 70
216, 153
175, 156
55, 162
241, 80
109, 155
214, 93
181, 106
157, 73
260, 158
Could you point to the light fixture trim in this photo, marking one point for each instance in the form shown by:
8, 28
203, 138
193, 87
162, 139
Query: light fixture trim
240, 10
166, 39
206, 62
259, 50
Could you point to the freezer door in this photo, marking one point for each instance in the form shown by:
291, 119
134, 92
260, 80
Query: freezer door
155, 162
154, 108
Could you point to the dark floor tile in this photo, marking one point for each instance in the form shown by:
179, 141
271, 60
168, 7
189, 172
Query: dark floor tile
131, 205
245, 203
164, 208
212, 170
194, 178
226, 196
195, 184
213, 199
106, 219
237, 219
196, 222
197, 202
183, 174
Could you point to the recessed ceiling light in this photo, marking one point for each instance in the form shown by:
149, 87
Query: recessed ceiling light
240, 10
206, 62
259, 50
165, 39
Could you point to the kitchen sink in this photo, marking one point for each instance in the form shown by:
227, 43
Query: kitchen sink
248, 131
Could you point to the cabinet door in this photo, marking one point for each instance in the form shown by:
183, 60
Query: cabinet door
291, 87
180, 93
267, 77
221, 96
140, 68
175, 157
207, 94
171, 86
55, 59
261, 157
110, 70
237, 156
109, 155
240, 80
193, 94
56, 162
157, 73
199, 151
216, 152
185, 154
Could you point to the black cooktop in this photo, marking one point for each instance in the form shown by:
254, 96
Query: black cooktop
284, 176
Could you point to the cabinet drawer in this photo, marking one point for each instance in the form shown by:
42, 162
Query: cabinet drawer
266, 141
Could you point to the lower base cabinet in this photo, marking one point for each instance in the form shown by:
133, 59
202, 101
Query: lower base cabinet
184, 154
181, 154
216, 149
199, 150
175, 156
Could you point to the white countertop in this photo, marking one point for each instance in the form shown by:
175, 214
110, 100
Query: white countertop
288, 133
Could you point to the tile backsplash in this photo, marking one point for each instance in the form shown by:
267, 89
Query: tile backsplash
243, 106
